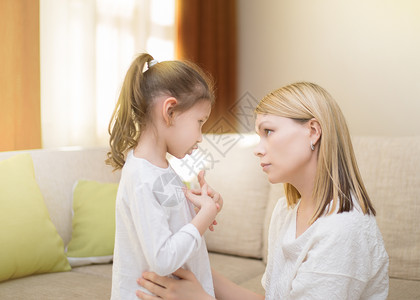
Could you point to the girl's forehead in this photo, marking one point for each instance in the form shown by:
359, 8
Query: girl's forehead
201, 107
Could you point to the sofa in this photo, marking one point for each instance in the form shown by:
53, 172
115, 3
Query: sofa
390, 167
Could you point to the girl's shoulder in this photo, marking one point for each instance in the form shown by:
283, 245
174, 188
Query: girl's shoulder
139, 171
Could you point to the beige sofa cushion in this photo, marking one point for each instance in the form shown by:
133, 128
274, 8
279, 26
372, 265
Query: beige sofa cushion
241, 220
246, 272
93, 282
235, 172
275, 193
390, 168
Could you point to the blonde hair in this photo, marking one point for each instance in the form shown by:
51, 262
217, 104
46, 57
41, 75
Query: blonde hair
180, 79
337, 175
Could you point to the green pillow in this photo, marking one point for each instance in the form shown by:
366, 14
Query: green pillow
93, 235
29, 242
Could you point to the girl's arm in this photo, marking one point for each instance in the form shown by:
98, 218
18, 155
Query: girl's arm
164, 250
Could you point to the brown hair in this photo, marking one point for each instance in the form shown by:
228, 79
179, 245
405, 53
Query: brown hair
182, 80
337, 176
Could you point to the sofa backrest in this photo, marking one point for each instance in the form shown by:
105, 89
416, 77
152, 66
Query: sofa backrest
56, 172
390, 167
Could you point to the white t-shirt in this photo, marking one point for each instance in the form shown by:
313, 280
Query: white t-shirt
340, 256
153, 229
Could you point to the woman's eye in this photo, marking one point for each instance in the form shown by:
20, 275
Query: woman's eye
268, 131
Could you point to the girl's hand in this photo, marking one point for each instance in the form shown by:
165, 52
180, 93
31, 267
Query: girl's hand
186, 288
200, 197
217, 198
210, 191
208, 209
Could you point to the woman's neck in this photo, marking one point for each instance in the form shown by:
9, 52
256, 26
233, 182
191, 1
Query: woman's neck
307, 206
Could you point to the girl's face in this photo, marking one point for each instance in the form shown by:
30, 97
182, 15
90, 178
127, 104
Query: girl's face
185, 132
284, 148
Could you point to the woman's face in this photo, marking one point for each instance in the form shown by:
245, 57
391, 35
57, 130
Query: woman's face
284, 148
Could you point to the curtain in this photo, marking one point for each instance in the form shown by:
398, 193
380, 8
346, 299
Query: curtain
206, 33
86, 49
20, 117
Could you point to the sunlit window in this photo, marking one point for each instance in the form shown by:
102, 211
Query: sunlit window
86, 49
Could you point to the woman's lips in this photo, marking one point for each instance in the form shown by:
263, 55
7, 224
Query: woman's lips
265, 166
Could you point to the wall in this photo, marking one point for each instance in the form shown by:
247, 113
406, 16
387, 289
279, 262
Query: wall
20, 125
366, 53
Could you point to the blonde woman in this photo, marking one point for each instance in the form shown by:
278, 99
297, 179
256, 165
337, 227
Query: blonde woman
324, 242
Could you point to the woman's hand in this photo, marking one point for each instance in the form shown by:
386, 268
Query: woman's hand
186, 288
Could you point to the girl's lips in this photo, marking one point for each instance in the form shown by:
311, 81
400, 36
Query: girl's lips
191, 150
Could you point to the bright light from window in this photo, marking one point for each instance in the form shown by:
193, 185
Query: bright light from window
161, 39
163, 12
86, 49
160, 49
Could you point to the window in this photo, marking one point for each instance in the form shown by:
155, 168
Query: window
86, 49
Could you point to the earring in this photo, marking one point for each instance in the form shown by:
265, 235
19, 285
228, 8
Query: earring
312, 146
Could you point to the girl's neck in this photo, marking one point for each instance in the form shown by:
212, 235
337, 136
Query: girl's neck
151, 148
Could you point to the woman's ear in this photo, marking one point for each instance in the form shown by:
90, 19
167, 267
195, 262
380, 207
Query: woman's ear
315, 131
168, 109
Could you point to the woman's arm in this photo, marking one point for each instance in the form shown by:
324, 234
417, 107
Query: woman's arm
188, 288
227, 290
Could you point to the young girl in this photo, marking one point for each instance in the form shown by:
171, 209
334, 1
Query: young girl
161, 109
324, 242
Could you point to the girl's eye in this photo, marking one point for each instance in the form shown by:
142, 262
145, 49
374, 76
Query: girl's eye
268, 131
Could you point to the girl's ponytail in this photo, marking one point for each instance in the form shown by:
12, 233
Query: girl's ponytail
128, 118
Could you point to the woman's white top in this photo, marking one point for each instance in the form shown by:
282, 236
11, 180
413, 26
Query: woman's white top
153, 229
340, 256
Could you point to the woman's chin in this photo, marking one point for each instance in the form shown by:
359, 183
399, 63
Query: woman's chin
274, 180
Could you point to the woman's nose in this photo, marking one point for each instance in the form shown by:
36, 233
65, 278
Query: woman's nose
259, 150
